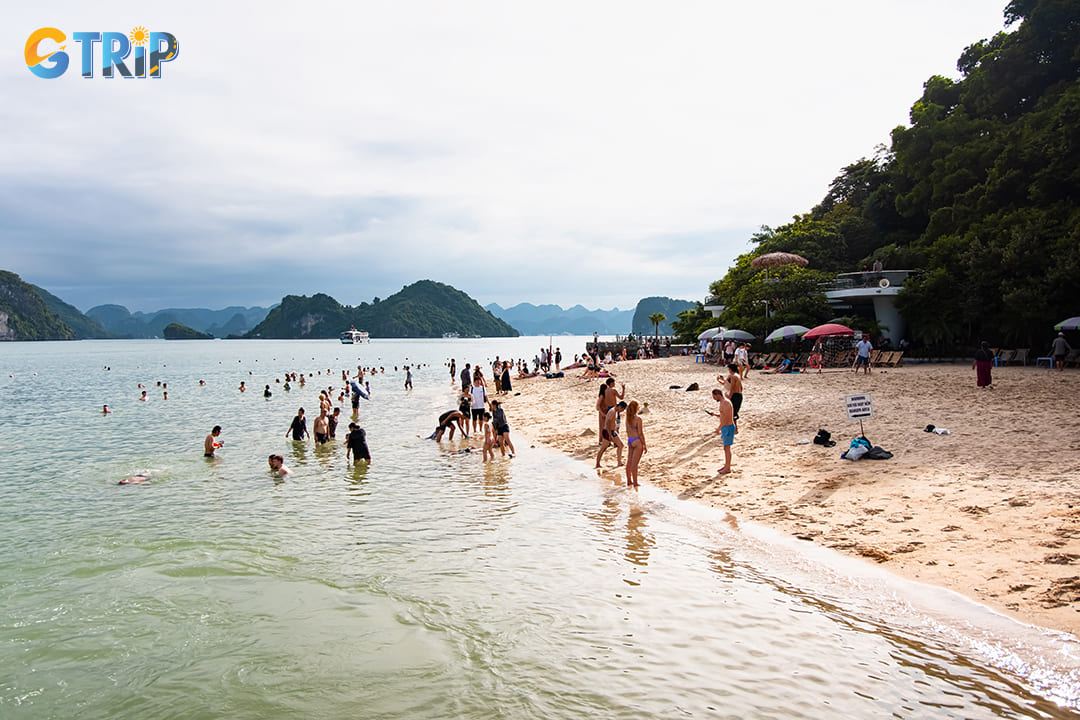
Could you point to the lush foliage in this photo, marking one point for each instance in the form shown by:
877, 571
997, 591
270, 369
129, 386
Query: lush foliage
24, 314
423, 309
981, 194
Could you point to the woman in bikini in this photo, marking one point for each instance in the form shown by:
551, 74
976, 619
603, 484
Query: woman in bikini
635, 441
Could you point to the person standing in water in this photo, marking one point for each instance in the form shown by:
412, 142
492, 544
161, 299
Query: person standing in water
298, 428
635, 441
210, 443
356, 444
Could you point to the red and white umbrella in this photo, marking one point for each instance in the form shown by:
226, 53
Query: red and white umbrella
829, 330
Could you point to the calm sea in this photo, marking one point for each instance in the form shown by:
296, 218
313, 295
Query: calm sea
430, 584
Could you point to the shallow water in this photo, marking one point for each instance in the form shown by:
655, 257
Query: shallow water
428, 585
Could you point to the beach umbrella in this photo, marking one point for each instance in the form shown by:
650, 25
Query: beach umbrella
1072, 323
710, 333
776, 259
737, 335
828, 330
788, 332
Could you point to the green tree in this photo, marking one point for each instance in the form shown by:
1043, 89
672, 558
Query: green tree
656, 319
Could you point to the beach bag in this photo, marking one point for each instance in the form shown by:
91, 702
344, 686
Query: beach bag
823, 438
878, 453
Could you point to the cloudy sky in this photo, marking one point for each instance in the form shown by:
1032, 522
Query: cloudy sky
587, 152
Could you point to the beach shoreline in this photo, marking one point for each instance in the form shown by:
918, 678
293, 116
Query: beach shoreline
990, 510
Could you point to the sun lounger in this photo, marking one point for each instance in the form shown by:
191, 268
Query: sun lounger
1020, 356
1072, 358
1005, 357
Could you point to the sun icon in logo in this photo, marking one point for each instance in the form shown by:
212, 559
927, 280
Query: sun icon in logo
139, 36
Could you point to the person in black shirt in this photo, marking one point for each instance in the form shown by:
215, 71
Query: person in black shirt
356, 444
298, 427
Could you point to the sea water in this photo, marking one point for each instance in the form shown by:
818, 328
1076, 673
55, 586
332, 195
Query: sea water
428, 584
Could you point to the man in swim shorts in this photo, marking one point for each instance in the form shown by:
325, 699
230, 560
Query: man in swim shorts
321, 427
726, 429
610, 435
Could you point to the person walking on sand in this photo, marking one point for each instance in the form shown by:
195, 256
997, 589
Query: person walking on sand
863, 348
610, 435
210, 443
984, 360
608, 399
1059, 349
726, 428
635, 441
298, 428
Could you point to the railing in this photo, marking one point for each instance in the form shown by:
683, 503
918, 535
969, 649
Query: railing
857, 280
713, 301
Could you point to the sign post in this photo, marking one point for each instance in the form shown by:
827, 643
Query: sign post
859, 407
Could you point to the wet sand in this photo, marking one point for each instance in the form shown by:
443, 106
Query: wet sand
991, 510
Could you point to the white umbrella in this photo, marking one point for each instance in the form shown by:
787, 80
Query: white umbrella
710, 333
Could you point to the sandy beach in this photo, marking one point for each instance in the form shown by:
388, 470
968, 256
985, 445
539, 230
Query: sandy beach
991, 510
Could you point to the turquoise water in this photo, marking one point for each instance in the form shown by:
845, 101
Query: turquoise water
428, 585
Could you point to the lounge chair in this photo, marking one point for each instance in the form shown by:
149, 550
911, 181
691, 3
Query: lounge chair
1005, 357
1072, 358
1020, 356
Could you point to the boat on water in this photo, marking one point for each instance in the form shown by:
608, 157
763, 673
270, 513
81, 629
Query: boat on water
450, 336
354, 337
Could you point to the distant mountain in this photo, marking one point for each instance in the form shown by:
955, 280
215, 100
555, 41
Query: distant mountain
84, 327
24, 314
219, 323
652, 305
176, 331
424, 309
532, 319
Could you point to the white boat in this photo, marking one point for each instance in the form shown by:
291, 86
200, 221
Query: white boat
450, 336
354, 337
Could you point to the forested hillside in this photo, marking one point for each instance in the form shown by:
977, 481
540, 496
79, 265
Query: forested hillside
424, 309
980, 194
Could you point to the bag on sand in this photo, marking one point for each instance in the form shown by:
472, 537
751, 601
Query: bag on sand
822, 438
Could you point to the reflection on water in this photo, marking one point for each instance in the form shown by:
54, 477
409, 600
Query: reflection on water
426, 584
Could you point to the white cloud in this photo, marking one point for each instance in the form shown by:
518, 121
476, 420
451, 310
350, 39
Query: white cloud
588, 152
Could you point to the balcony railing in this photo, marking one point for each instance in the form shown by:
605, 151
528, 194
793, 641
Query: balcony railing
857, 280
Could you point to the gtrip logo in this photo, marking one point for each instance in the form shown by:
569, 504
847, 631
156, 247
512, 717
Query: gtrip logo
46, 58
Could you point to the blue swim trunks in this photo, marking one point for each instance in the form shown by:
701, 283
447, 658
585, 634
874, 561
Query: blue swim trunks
727, 435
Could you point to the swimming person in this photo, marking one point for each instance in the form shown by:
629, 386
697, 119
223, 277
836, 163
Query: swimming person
277, 466
136, 479
210, 443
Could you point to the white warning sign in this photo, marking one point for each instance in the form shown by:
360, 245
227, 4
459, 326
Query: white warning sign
859, 407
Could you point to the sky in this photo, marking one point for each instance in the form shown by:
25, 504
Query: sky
585, 152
